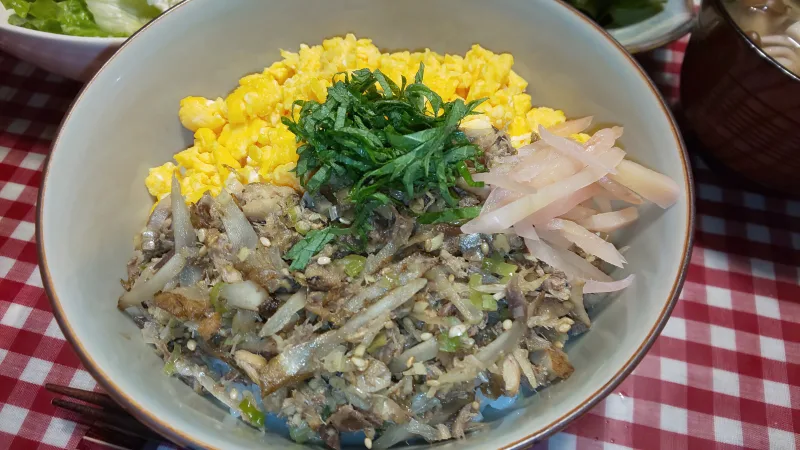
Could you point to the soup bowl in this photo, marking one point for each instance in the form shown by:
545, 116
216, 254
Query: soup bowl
125, 121
741, 104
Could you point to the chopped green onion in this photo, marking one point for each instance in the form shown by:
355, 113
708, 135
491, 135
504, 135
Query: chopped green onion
475, 280
216, 301
476, 298
377, 343
499, 267
169, 366
353, 264
302, 227
449, 344
251, 412
293, 214
488, 303
483, 301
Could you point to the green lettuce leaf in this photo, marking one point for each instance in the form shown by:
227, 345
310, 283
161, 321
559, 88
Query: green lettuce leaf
71, 17
122, 17
99, 18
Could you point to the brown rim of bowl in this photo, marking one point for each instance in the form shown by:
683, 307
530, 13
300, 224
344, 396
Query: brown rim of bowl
680, 31
181, 438
723, 11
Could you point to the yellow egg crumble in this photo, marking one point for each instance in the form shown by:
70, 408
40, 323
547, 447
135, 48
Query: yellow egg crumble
242, 135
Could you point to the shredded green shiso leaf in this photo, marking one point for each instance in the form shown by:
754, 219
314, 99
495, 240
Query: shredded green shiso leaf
385, 146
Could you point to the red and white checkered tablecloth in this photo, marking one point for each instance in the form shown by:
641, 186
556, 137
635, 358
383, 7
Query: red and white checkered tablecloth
724, 374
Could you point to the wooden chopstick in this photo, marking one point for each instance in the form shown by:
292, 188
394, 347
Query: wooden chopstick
108, 424
95, 398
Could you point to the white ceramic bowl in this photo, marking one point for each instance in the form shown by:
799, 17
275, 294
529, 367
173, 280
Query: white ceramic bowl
69, 56
93, 199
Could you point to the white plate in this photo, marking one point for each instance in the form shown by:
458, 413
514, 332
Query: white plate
669, 25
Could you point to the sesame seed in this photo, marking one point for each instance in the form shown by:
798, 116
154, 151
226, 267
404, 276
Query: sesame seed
410, 362
451, 278
191, 345
368, 443
563, 328
233, 394
484, 247
559, 344
476, 406
457, 330
360, 350
425, 336
507, 324
201, 234
323, 260
265, 242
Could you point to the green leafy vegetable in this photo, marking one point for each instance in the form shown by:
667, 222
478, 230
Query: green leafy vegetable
385, 143
88, 18
251, 412
123, 17
619, 13
70, 17
454, 216
353, 264
20, 7
300, 254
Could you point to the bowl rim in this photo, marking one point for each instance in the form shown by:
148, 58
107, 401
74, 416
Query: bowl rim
726, 15
185, 439
680, 30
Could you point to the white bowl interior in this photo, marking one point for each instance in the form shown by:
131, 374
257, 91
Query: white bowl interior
126, 121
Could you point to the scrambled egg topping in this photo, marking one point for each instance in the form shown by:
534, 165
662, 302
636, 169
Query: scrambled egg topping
242, 136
